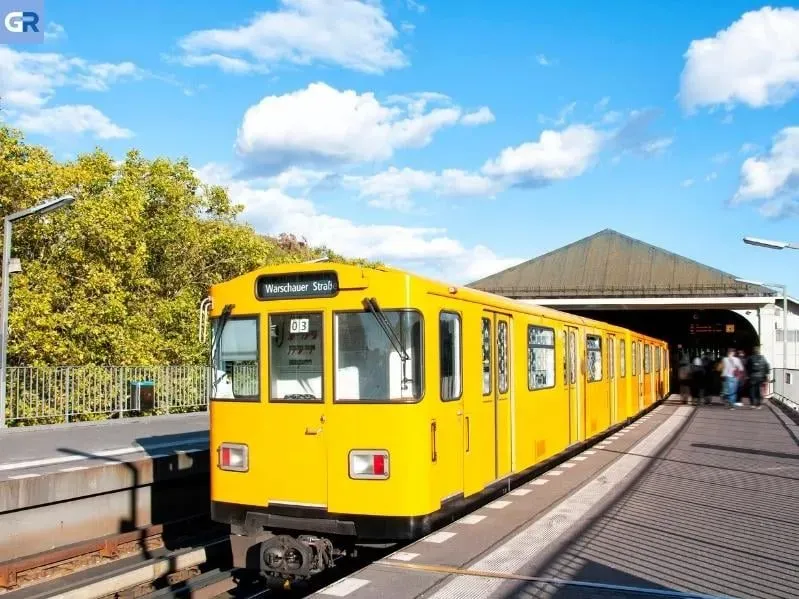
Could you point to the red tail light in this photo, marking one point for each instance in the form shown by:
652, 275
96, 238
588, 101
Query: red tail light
234, 457
369, 464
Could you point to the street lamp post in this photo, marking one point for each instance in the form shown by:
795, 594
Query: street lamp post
44, 207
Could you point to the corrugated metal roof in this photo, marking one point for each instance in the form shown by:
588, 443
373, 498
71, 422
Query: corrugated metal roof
610, 264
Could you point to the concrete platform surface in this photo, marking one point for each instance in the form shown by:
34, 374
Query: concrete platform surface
685, 502
39, 450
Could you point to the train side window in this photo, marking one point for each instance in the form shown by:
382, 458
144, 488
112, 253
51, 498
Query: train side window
647, 358
540, 358
565, 358
657, 359
635, 358
449, 325
236, 360
572, 358
296, 357
593, 344
486, 326
502, 356
611, 358
622, 358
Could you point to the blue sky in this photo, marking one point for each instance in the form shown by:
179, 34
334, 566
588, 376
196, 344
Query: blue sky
445, 137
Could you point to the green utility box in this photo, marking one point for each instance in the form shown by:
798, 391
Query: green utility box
142, 395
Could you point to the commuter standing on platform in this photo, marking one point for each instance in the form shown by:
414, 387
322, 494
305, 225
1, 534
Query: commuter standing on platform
697, 380
758, 369
731, 369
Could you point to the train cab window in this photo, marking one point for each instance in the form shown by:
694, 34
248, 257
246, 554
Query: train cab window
449, 326
540, 358
296, 357
486, 330
236, 359
378, 356
593, 345
622, 358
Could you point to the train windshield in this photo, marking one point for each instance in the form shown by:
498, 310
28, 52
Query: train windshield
378, 356
235, 358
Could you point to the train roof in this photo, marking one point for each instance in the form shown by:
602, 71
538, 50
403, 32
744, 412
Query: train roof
434, 286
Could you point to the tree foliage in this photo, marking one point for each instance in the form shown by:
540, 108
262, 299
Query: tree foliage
118, 277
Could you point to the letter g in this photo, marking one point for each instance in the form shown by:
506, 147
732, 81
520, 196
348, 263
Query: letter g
13, 21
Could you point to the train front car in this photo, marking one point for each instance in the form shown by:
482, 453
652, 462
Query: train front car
317, 430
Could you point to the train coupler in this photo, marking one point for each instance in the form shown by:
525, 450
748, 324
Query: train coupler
285, 556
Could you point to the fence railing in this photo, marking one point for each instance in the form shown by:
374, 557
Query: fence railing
56, 394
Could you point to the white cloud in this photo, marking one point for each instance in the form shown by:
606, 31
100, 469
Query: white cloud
749, 148
634, 135
711, 176
657, 146
543, 60
321, 125
429, 250
563, 116
687, 183
773, 179
755, 61
602, 104
349, 33
54, 32
72, 119
417, 6
482, 116
556, 155
394, 187
28, 82
30, 79
721, 157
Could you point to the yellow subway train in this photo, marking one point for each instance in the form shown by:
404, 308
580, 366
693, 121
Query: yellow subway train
355, 405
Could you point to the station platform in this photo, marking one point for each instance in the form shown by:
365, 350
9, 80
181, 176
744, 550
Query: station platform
39, 450
63, 485
684, 502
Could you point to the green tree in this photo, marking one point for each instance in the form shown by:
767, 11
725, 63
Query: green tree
117, 279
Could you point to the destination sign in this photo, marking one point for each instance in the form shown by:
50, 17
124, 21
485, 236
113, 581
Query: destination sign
315, 284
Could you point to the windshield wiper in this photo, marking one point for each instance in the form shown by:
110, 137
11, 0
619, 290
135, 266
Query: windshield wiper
380, 317
223, 318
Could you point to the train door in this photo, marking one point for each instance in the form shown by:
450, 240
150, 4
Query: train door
448, 430
613, 393
575, 390
296, 399
639, 368
479, 417
496, 337
647, 374
502, 403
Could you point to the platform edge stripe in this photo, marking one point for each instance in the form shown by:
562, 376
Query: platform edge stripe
135, 448
523, 547
343, 587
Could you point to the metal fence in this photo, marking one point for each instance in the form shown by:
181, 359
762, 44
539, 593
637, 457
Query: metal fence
57, 394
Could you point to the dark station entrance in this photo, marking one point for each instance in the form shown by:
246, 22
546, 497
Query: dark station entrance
688, 332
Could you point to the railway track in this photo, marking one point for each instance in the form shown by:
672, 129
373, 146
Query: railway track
222, 583
25, 576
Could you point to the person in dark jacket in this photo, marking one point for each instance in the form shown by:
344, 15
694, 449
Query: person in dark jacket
757, 371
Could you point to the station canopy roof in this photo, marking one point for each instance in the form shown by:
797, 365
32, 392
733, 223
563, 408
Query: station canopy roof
610, 264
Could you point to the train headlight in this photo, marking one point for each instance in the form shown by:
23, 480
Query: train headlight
369, 464
234, 456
